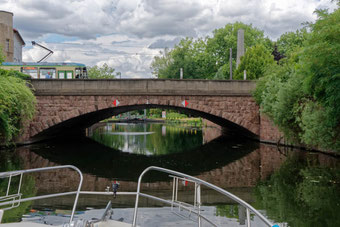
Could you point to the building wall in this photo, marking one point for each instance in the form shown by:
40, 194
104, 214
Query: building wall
17, 48
6, 33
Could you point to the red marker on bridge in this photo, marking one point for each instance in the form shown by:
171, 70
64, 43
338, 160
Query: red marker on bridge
115, 102
185, 103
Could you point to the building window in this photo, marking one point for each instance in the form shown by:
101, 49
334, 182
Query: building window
7, 45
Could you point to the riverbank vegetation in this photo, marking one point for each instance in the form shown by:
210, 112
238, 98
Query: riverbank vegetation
298, 76
302, 93
17, 104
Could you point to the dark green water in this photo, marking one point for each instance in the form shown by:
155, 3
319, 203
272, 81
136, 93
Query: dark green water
292, 187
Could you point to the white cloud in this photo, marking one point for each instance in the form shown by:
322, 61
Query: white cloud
119, 31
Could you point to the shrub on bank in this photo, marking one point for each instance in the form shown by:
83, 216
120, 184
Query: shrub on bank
17, 104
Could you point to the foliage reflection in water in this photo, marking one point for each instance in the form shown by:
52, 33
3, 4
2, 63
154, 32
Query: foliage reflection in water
302, 193
9, 162
148, 139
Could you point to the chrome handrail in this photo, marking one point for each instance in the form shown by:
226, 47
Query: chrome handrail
201, 182
21, 172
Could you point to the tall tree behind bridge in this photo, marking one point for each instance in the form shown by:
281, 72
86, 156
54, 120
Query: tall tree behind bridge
104, 72
204, 57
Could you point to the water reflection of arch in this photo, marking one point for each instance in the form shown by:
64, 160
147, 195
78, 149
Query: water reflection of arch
99, 160
79, 123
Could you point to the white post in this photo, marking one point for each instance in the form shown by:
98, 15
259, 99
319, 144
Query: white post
244, 75
199, 204
181, 73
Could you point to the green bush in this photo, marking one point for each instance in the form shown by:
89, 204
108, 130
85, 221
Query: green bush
174, 115
17, 104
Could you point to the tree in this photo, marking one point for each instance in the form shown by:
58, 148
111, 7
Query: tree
226, 38
161, 63
255, 61
204, 57
190, 55
290, 41
104, 72
320, 63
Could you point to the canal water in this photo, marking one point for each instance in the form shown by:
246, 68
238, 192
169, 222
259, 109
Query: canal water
291, 187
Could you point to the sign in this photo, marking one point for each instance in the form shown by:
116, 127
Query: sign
29, 68
185, 103
115, 103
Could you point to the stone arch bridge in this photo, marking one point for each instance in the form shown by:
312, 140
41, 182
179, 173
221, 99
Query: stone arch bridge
70, 106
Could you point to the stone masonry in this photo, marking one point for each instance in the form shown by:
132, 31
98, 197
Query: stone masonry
52, 110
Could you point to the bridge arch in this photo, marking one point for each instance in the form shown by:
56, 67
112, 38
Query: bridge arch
72, 114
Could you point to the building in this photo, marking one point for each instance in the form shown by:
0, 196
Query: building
11, 41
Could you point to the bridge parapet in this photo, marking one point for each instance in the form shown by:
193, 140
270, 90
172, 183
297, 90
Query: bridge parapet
143, 87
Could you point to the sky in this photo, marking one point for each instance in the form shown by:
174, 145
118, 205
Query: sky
128, 34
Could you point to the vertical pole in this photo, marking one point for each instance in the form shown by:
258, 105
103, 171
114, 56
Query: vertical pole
244, 75
231, 63
195, 199
181, 73
176, 189
1, 214
9, 184
248, 218
173, 193
199, 204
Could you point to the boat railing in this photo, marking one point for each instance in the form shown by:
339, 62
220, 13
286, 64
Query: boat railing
196, 207
12, 200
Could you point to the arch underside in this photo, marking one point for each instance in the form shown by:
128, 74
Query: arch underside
78, 124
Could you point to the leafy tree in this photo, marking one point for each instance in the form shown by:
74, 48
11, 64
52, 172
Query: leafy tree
104, 72
161, 63
290, 41
321, 63
190, 55
255, 61
206, 58
225, 38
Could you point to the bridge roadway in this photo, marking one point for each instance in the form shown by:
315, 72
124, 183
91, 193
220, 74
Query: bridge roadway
70, 106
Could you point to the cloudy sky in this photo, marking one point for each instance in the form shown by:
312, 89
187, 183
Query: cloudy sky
127, 34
